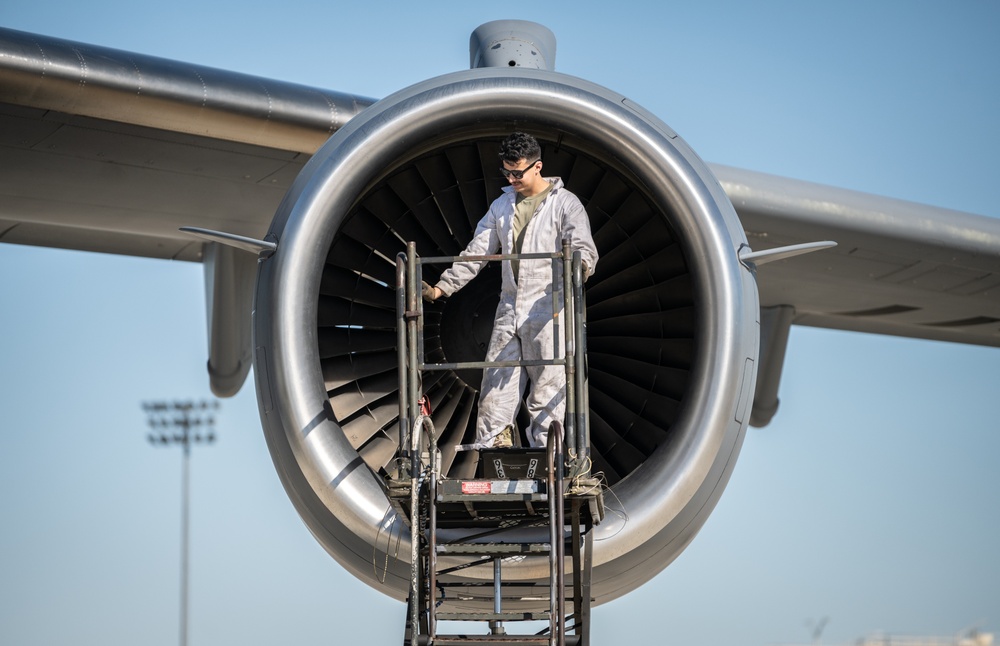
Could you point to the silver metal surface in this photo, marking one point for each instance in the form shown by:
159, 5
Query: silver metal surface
775, 324
229, 279
899, 268
112, 151
124, 87
512, 43
667, 498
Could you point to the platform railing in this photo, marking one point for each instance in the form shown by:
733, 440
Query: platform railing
417, 436
570, 333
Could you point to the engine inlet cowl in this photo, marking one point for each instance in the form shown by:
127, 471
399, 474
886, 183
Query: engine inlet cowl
672, 314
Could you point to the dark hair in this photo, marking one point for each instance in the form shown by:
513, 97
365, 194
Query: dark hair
518, 146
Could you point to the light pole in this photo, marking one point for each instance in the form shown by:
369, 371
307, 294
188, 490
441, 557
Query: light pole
183, 423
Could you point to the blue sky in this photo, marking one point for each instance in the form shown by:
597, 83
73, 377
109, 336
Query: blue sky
871, 499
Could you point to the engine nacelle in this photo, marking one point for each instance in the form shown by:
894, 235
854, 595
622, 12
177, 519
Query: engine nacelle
672, 314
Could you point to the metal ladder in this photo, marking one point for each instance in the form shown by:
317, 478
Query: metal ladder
484, 522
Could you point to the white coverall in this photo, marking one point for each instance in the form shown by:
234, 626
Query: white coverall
524, 327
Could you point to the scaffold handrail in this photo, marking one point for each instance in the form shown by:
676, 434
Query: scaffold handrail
569, 332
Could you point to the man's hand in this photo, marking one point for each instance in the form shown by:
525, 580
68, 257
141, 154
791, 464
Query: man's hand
429, 293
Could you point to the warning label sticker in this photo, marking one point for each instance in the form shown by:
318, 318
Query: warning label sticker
476, 486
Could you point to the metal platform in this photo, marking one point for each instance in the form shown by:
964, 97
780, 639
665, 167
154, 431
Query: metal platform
534, 505
484, 503
483, 523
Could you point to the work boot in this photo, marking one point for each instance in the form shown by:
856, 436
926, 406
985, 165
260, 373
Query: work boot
505, 438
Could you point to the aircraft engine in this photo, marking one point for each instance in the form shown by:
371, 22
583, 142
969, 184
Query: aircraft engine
672, 314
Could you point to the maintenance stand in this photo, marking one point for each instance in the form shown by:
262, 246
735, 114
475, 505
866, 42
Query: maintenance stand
483, 523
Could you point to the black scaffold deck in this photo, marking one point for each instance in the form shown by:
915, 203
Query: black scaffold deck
515, 543
487, 523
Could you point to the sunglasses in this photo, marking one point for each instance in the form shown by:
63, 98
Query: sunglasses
519, 174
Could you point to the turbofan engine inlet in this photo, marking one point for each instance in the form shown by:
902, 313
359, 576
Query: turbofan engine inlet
672, 314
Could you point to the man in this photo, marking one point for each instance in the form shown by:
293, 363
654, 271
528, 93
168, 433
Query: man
533, 215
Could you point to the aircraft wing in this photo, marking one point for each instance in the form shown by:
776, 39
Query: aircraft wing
111, 151
105, 150
899, 268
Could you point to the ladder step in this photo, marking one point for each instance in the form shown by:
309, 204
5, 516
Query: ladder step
492, 616
490, 584
494, 548
511, 640
493, 497
491, 490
